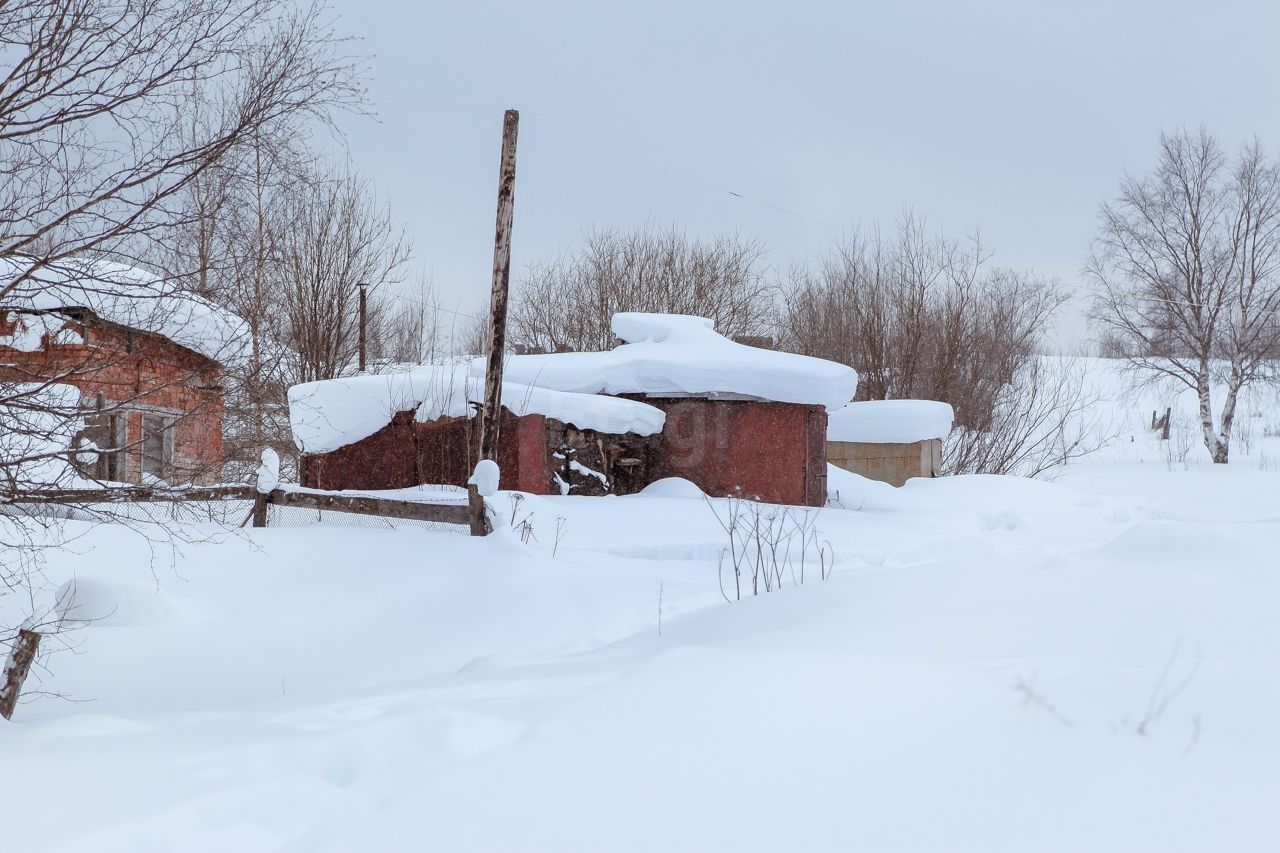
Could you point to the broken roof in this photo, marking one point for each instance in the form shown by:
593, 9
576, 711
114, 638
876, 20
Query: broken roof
333, 413
128, 297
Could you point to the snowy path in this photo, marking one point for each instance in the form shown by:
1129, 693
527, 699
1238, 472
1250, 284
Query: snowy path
343, 689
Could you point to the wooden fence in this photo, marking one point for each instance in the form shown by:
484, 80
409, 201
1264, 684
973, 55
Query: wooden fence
462, 514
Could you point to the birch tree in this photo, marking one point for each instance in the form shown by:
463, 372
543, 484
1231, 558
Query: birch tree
1185, 266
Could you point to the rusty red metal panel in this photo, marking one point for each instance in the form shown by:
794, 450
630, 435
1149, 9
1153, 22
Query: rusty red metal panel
384, 460
755, 449
816, 456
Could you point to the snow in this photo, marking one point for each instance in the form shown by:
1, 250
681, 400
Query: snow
995, 664
890, 421
680, 355
485, 478
126, 296
268, 474
38, 423
31, 330
333, 413
674, 487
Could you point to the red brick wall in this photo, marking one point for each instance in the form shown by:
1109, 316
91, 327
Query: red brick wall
141, 371
405, 453
774, 452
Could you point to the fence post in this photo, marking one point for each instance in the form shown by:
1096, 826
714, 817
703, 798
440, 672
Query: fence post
1164, 434
475, 507
16, 669
260, 501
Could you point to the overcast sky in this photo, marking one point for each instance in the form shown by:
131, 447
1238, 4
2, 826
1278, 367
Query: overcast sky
1017, 118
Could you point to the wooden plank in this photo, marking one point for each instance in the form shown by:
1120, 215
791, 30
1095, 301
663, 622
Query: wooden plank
363, 505
130, 494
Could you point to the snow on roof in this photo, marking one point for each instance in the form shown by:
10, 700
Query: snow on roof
125, 296
679, 355
333, 413
890, 421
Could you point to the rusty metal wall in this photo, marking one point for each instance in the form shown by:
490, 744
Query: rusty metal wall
773, 452
405, 453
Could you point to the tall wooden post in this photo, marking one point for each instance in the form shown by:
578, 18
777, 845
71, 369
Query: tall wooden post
364, 316
501, 279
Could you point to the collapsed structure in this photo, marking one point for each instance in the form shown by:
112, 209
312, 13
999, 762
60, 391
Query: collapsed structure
674, 399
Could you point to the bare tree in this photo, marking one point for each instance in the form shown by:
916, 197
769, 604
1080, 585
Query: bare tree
1185, 269
920, 316
94, 143
568, 302
407, 329
110, 110
334, 236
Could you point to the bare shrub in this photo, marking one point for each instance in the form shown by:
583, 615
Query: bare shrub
920, 316
769, 544
568, 302
1045, 417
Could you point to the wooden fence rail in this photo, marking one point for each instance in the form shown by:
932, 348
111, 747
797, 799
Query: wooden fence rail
364, 505
131, 494
358, 504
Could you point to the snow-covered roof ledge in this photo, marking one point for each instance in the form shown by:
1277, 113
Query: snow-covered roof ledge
122, 295
680, 355
890, 421
333, 413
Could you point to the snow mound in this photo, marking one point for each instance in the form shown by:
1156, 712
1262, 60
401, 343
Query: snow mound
890, 421
333, 413
673, 487
125, 296
848, 490
680, 354
116, 603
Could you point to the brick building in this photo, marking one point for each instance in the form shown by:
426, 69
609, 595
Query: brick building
733, 419
147, 360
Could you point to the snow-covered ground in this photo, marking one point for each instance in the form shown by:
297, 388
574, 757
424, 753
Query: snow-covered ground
994, 664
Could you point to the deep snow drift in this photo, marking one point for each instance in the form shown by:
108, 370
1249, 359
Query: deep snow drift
994, 664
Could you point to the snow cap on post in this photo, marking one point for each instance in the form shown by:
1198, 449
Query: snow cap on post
485, 478
269, 472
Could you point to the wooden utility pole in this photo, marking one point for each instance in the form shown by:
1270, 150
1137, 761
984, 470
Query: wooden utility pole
364, 317
501, 279
490, 415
